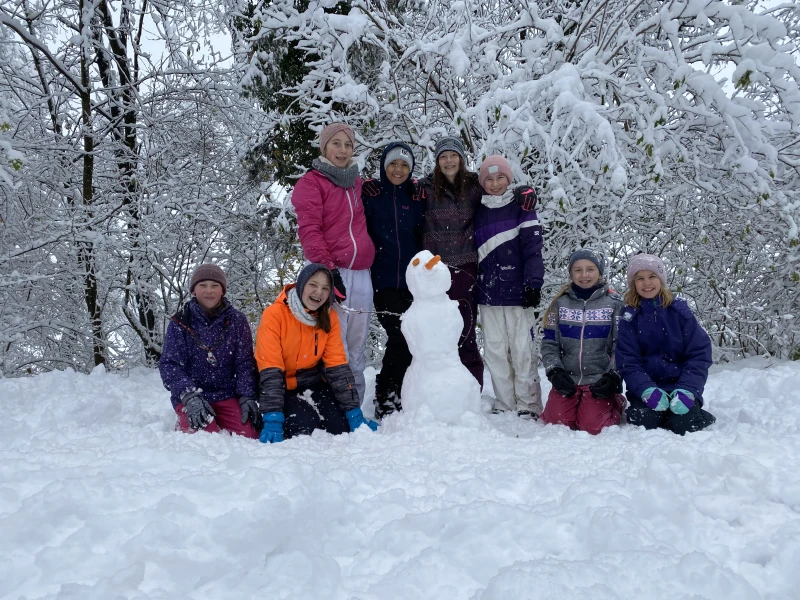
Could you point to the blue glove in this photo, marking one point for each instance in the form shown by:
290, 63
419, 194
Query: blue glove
273, 428
355, 418
656, 399
681, 401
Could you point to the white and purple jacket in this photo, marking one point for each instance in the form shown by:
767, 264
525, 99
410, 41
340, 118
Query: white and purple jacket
509, 241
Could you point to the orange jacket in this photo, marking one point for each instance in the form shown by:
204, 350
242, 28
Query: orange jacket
285, 343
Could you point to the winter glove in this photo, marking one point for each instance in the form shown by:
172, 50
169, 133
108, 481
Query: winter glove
656, 399
681, 401
339, 291
532, 297
198, 411
525, 197
562, 382
607, 386
273, 428
355, 418
417, 190
250, 411
371, 188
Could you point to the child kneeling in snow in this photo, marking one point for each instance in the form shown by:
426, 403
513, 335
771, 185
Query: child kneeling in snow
510, 277
207, 361
662, 352
580, 334
306, 383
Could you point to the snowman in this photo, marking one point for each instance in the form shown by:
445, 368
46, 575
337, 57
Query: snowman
432, 327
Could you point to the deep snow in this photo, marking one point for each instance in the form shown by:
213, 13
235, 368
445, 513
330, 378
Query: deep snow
99, 498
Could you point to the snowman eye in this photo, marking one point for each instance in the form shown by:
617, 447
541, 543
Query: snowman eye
415, 262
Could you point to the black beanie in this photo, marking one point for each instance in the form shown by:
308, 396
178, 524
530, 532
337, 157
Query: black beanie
307, 273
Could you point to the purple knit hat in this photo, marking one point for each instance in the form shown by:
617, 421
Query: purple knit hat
646, 262
331, 130
493, 165
209, 272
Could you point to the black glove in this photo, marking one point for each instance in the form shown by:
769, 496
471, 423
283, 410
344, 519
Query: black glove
371, 188
525, 197
198, 411
532, 297
250, 411
339, 291
607, 386
562, 382
417, 190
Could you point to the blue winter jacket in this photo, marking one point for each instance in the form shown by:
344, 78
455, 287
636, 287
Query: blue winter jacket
663, 347
184, 364
509, 243
394, 222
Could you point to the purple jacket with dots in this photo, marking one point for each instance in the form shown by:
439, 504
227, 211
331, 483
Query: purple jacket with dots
184, 364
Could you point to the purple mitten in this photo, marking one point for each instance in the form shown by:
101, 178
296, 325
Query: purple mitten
681, 401
655, 399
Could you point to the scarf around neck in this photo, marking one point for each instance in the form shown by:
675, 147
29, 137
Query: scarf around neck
298, 310
497, 201
343, 178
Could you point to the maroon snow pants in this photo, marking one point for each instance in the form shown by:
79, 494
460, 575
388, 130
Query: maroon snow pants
229, 418
463, 289
582, 411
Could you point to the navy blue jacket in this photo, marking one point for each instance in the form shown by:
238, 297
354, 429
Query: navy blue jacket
663, 347
184, 364
394, 222
509, 243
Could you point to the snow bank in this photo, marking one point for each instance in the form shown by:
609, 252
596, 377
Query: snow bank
99, 498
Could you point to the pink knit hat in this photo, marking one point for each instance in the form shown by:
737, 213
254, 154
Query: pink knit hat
331, 130
209, 272
495, 164
646, 262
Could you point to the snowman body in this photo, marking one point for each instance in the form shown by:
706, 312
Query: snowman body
432, 327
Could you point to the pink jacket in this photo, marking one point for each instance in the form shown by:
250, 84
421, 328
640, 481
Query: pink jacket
331, 223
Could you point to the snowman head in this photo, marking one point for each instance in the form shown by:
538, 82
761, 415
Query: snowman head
427, 276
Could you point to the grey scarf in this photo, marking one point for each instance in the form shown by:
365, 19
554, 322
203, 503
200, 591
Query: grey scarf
343, 178
298, 310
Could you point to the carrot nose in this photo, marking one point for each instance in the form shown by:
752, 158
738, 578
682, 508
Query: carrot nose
432, 262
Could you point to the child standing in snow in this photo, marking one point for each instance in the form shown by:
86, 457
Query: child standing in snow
394, 214
452, 195
580, 335
333, 231
306, 383
207, 360
510, 277
662, 352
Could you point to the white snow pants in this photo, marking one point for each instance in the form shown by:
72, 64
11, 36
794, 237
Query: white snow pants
355, 325
510, 355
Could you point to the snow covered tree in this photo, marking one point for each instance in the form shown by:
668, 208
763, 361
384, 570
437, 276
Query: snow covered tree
669, 127
131, 127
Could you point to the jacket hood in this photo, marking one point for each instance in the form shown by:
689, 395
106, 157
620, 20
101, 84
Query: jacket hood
389, 148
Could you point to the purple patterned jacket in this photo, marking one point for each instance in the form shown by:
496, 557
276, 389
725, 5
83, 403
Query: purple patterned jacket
185, 365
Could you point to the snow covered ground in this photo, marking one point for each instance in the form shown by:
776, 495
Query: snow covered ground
99, 498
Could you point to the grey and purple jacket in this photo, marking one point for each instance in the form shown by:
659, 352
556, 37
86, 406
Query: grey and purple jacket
509, 243
581, 336
184, 364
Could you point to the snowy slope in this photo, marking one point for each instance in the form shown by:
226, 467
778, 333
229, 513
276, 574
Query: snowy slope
100, 499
